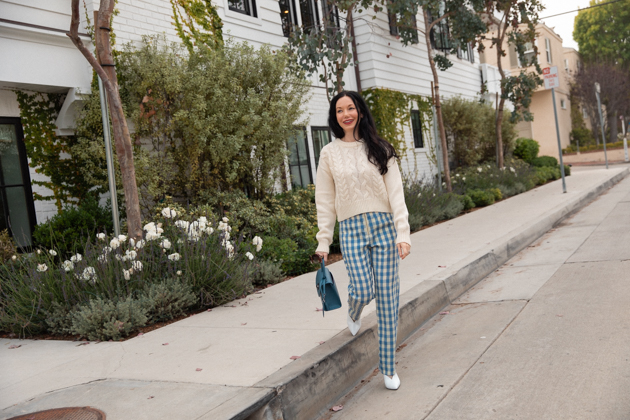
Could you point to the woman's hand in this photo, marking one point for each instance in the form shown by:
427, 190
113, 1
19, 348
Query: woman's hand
403, 249
323, 255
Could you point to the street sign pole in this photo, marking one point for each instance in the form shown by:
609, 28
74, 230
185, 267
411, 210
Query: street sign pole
550, 75
108, 157
625, 138
555, 114
601, 121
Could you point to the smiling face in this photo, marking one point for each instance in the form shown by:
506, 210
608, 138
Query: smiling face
347, 116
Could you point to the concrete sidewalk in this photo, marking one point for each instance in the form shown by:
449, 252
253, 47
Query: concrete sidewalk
245, 349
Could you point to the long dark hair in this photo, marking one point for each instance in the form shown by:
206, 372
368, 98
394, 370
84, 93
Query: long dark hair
380, 151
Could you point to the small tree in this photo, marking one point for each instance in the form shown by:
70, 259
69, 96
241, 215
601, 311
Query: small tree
122, 139
615, 95
515, 28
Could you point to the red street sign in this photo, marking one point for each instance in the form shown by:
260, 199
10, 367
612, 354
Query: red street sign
550, 74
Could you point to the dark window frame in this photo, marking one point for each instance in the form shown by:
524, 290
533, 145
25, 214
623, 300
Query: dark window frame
394, 29
309, 15
291, 148
249, 7
26, 180
288, 16
444, 36
416, 130
330, 139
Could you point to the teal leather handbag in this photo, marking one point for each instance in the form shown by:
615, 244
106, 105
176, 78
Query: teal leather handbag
327, 289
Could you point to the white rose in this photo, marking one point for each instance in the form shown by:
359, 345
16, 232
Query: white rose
209, 230
166, 244
88, 273
100, 236
258, 242
53, 252
479, 169
68, 265
174, 257
179, 272
42, 267
136, 265
39, 252
114, 243
131, 254
140, 244
76, 258
168, 212
225, 220
14, 258
122, 238
132, 242
126, 274
249, 255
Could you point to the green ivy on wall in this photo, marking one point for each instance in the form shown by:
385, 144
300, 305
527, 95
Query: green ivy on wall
197, 23
50, 154
391, 110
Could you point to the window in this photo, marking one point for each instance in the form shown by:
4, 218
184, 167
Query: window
584, 113
246, 7
309, 14
331, 23
299, 160
440, 34
566, 65
529, 56
416, 128
288, 16
17, 210
548, 49
465, 52
407, 24
321, 137
563, 104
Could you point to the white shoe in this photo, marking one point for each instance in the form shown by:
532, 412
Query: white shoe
354, 326
393, 382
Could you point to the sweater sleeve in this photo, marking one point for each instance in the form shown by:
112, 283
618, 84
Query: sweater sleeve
325, 203
396, 194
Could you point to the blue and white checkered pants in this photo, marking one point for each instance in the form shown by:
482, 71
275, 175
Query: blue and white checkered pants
369, 252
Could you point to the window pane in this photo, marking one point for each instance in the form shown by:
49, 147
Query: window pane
9, 155
301, 149
296, 177
306, 175
308, 11
287, 16
416, 126
18, 216
321, 137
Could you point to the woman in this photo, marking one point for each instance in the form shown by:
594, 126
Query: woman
359, 183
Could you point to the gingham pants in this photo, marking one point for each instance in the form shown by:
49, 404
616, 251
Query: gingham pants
371, 258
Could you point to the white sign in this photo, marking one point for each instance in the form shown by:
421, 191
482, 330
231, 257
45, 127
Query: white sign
551, 77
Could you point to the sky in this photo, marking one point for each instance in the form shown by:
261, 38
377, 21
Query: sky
563, 25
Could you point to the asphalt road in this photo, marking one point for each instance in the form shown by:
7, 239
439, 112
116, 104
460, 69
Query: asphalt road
546, 336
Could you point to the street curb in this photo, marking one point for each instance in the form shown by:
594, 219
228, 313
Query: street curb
306, 388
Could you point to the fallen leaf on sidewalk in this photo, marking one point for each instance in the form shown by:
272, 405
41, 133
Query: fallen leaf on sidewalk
243, 323
85, 343
165, 344
559, 315
209, 310
402, 346
321, 342
294, 357
140, 333
14, 346
150, 397
337, 408
445, 313
318, 309
441, 266
198, 369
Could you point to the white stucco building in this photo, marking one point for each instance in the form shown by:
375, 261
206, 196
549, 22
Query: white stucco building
38, 56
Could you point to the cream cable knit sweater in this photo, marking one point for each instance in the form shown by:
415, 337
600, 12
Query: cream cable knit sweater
349, 184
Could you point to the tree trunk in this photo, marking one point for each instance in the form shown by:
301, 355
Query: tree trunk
501, 104
104, 67
438, 105
613, 118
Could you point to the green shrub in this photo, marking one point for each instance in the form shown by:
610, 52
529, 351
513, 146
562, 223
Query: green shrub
68, 231
108, 320
567, 170
427, 205
59, 319
481, 198
166, 300
545, 161
497, 193
416, 221
467, 202
526, 149
268, 273
293, 260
